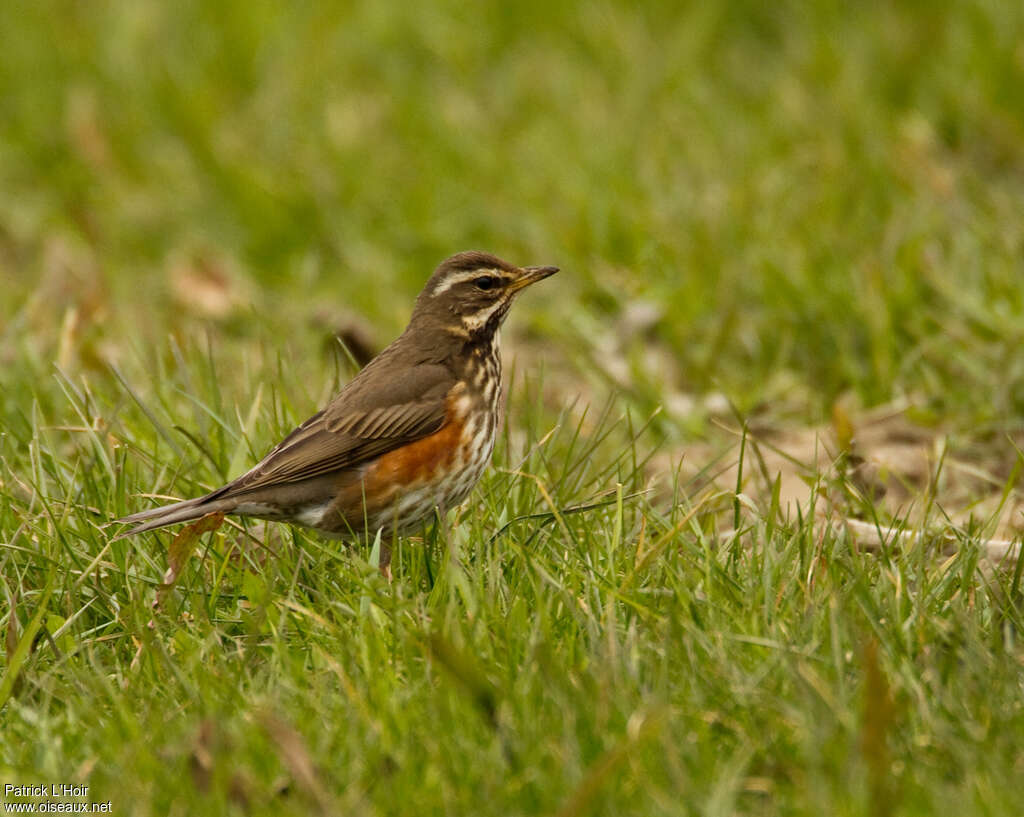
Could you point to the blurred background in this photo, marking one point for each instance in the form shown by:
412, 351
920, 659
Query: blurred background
798, 219
774, 205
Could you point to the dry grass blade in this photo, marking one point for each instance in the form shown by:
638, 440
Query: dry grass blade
879, 718
874, 537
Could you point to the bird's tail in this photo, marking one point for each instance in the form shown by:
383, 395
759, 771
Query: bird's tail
169, 514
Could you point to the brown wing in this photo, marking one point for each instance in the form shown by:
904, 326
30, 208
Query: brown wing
369, 417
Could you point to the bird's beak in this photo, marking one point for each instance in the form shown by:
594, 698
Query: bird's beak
531, 275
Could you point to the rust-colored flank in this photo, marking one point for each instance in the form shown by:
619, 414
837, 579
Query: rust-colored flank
417, 461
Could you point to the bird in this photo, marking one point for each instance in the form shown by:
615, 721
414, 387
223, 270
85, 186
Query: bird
403, 441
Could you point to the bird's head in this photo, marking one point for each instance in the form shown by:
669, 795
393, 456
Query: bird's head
470, 293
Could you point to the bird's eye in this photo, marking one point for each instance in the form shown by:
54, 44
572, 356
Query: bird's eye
485, 282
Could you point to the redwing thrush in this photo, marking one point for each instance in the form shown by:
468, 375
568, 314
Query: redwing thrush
411, 433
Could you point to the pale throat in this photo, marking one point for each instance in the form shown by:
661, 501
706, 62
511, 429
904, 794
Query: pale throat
488, 318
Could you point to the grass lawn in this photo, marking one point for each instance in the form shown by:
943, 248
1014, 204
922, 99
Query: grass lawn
775, 222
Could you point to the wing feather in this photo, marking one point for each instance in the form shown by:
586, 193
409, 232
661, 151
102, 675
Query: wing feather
351, 430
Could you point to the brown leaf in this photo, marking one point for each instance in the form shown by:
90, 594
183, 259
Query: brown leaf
292, 751
346, 333
357, 341
207, 285
201, 757
182, 547
70, 303
84, 129
842, 425
239, 788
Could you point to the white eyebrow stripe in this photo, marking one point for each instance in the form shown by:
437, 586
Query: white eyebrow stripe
461, 277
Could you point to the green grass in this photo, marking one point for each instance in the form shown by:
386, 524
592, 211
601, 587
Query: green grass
822, 205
